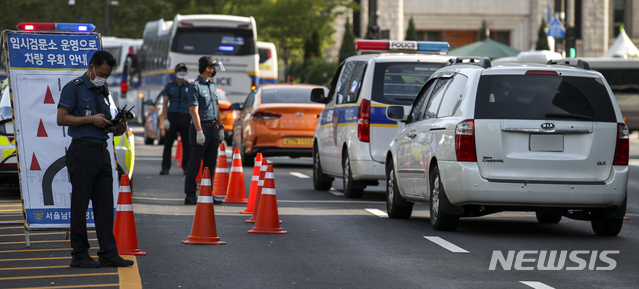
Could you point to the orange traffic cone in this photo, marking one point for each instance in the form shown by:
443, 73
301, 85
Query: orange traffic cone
254, 180
221, 176
258, 190
124, 224
203, 230
236, 192
268, 219
198, 178
178, 152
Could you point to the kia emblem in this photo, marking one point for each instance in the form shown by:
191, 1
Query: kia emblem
547, 125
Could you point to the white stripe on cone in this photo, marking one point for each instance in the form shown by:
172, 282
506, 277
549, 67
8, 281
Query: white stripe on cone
237, 169
269, 176
206, 182
205, 199
255, 178
221, 170
268, 191
124, 208
237, 156
125, 189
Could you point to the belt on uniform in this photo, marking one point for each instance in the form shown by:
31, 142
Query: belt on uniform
179, 113
209, 121
90, 143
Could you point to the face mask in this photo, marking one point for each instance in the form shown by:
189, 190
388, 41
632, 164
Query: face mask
213, 72
98, 81
181, 75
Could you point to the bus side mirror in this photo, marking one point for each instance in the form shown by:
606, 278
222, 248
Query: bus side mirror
395, 112
319, 95
236, 106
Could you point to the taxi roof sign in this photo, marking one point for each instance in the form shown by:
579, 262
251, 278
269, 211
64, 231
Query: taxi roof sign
402, 46
77, 27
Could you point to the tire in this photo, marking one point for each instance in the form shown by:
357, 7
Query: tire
603, 224
548, 217
147, 140
396, 206
438, 199
352, 189
248, 160
321, 182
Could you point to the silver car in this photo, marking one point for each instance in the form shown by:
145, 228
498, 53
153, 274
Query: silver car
481, 139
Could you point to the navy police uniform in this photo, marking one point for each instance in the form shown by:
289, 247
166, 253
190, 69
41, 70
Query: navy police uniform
203, 94
89, 165
180, 119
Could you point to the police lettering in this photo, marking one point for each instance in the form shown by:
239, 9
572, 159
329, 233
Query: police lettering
223, 81
402, 45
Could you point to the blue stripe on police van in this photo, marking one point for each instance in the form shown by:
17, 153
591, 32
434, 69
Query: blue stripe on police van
347, 115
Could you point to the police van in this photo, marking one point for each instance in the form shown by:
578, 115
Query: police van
353, 133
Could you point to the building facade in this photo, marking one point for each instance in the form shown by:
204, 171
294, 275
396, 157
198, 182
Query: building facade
514, 22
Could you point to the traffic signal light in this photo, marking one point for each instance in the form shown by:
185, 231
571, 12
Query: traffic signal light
572, 52
570, 42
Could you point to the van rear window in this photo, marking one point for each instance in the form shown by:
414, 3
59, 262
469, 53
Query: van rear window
400, 82
543, 97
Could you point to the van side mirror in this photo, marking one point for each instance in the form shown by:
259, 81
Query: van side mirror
395, 112
319, 95
236, 106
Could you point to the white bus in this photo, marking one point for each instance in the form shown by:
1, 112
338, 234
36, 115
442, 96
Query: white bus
229, 39
122, 78
268, 62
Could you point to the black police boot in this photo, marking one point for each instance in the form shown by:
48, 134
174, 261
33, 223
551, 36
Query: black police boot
164, 172
84, 263
190, 200
116, 261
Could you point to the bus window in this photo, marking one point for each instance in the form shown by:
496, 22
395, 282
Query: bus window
213, 40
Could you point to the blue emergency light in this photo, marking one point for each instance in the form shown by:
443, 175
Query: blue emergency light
402, 46
226, 48
77, 27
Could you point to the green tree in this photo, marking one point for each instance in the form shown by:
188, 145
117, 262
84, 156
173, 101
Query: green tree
483, 32
348, 42
411, 32
542, 37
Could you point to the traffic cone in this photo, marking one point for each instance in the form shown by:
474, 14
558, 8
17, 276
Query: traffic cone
258, 190
203, 230
198, 178
221, 176
178, 152
254, 180
124, 231
236, 192
268, 219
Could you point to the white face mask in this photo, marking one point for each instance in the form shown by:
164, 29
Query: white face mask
181, 74
98, 81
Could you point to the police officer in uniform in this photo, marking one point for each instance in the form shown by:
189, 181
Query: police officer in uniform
206, 131
84, 108
176, 117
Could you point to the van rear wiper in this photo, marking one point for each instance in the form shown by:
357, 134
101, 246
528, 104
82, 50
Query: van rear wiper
569, 115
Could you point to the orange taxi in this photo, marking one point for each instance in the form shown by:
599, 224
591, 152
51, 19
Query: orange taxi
227, 115
276, 120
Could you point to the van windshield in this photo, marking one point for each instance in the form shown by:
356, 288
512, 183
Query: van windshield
399, 82
543, 97
214, 40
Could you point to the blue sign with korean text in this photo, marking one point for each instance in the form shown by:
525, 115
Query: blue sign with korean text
47, 51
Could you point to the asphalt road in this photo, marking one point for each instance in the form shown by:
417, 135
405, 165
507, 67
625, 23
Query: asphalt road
334, 242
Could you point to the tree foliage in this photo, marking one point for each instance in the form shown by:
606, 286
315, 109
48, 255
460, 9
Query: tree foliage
411, 31
347, 48
542, 37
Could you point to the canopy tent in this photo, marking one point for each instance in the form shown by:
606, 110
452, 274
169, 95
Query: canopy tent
623, 47
487, 48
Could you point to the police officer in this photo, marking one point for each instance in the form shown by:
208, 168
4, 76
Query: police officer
84, 108
206, 128
176, 117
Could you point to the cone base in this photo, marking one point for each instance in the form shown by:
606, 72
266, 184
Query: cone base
132, 252
252, 220
235, 201
219, 195
204, 241
267, 231
247, 212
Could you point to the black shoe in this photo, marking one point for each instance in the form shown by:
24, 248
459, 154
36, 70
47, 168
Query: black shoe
217, 202
190, 200
184, 172
164, 172
116, 261
84, 263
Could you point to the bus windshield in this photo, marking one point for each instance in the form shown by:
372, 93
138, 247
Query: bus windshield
213, 40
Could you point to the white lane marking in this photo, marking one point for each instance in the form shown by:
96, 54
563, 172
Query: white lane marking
336, 192
300, 175
148, 158
536, 285
446, 245
378, 212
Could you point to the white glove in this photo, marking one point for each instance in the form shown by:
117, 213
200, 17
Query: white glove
199, 138
221, 132
167, 125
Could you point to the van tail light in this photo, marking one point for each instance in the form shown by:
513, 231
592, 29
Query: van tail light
465, 141
364, 121
622, 149
265, 115
124, 87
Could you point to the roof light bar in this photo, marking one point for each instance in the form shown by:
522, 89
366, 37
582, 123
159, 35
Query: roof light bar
78, 27
402, 46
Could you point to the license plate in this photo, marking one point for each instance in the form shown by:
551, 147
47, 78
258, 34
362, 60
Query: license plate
547, 143
298, 141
